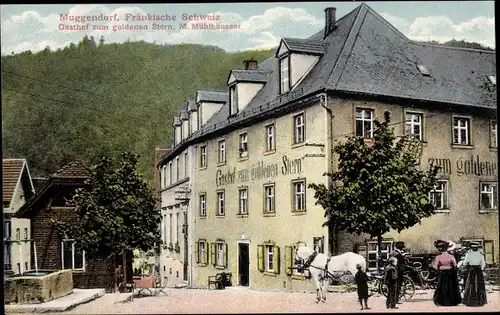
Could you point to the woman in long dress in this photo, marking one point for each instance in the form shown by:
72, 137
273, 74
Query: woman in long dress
475, 288
447, 292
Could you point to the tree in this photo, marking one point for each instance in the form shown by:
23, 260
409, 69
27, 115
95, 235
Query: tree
379, 187
116, 211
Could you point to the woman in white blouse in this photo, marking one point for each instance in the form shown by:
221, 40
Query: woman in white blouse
475, 288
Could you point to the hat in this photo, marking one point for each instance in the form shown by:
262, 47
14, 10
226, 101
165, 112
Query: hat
392, 259
358, 266
452, 245
399, 244
474, 245
440, 244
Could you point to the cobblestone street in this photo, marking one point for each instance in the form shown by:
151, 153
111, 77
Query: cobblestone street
236, 300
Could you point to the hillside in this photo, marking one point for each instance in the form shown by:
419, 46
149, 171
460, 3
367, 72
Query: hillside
83, 102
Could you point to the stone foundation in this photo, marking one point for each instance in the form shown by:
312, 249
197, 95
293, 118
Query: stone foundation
38, 289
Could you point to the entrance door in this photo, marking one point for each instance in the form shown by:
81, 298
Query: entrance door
243, 264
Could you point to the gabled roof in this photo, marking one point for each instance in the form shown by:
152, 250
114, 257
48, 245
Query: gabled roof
15, 173
74, 169
366, 55
211, 96
183, 115
250, 75
191, 105
301, 45
73, 173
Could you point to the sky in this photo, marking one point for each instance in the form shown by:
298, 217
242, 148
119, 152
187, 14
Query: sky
255, 25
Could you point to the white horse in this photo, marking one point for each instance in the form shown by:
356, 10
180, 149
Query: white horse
323, 267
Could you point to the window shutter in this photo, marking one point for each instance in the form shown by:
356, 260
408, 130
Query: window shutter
289, 260
260, 257
212, 253
205, 259
225, 255
488, 252
276, 257
196, 245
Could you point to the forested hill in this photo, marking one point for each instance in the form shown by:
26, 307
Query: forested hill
87, 101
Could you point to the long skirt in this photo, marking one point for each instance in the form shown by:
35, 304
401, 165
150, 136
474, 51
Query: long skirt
447, 292
475, 288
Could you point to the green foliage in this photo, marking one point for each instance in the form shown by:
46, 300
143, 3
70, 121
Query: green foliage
377, 188
90, 102
116, 210
460, 43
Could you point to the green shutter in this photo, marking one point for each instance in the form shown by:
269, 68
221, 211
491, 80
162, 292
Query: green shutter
196, 246
276, 255
205, 259
212, 253
260, 257
289, 260
225, 255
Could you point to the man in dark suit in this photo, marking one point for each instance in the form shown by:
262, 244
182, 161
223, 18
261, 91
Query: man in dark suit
400, 256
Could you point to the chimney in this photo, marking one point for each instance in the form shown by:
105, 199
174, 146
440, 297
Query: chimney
329, 20
250, 64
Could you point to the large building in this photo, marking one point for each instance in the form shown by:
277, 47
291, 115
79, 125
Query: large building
255, 157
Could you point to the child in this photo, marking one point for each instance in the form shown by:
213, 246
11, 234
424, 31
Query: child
361, 280
390, 278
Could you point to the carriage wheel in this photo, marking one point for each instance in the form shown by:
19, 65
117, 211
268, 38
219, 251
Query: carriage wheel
407, 289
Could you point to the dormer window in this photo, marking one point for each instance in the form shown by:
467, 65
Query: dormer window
285, 74
423, 70
233, 99
493, 79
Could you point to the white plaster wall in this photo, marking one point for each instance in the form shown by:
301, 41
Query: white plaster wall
246, 92
185, 129
177, 134
208, 110
193, 120
21, 252
300, 66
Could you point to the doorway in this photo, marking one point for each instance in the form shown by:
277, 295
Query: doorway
243, 264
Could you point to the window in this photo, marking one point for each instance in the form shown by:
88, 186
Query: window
202, 252
285, 75
461, 130
7, 230
170, 229
177, 229
493, 134
203, 205
423, 70
364, 122
372, 251
243, 206
178, 168
220, 203
233, 97
203, 156
164, 176
25, 233
170, 179
414, 125
299, 195
489, 199
25, 266
439, 195
268, 258
219, 254
493, 79
299, 129
222, 151
7, 260
243, 150
269, 198
186, 172
489, 256
72, 256
270, 140
18, 234
318, 244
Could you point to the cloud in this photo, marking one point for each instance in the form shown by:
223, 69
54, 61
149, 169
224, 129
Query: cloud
442, 28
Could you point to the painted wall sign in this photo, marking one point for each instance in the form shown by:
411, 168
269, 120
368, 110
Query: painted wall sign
259, 171
465, 166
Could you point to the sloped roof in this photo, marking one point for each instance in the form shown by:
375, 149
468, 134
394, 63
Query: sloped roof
191, 105
212, 96
302, 45
250, 75
365, 54
11, 175
74, 169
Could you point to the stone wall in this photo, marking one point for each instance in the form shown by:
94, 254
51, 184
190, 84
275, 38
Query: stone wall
34, 290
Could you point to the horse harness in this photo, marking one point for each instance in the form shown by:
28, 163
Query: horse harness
311, 258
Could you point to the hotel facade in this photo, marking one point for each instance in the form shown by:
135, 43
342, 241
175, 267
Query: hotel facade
253, 156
